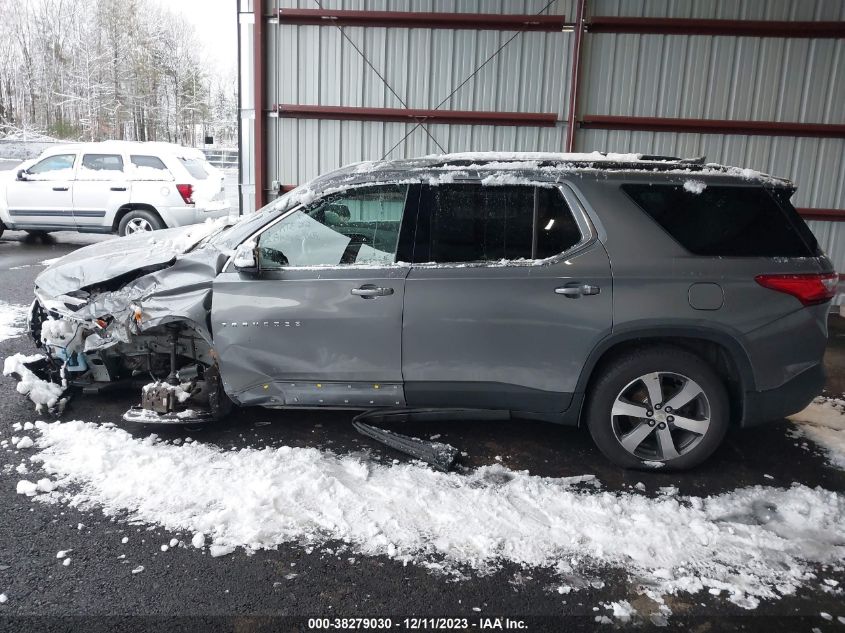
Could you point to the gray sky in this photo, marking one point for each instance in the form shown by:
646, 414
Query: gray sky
216, 24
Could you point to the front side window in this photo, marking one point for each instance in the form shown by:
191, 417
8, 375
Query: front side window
475, 223
52, 164
102, 163
360, 226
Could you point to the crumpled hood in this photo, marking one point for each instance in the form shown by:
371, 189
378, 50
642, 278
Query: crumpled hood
101, 262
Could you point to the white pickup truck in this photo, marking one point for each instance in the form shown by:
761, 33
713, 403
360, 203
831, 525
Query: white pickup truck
112, 187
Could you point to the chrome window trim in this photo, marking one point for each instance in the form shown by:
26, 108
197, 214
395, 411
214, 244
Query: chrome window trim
585, 226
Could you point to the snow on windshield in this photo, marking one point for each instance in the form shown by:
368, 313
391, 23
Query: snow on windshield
750, 544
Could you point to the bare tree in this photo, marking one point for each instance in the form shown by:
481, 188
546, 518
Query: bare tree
97, 69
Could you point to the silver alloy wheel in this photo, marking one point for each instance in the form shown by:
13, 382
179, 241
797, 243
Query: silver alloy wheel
137, 225
660, 416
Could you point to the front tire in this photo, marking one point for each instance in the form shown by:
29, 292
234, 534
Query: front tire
219, 403
661, 407
139, 222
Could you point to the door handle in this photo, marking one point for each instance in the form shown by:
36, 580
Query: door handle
369, 291
575, 290
118, 188
60, 188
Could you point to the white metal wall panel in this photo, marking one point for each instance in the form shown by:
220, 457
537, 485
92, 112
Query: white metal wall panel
714, 77
323, 66
722, 9
318, 66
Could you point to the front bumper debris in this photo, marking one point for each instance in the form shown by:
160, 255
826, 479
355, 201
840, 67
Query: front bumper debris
188, 417
441, 456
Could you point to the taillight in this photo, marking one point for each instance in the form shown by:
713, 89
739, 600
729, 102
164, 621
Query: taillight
187, 193
808, 289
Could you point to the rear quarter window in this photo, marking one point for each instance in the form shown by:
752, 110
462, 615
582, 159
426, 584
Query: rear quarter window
725, 221
147, 162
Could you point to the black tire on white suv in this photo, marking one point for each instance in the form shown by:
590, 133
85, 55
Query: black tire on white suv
676, 433
139, 221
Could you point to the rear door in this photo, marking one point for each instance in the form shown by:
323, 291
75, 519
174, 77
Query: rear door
44, 199
101, 188
321, 323
510, 294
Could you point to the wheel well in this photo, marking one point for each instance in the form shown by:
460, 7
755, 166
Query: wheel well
134, 206
715, 354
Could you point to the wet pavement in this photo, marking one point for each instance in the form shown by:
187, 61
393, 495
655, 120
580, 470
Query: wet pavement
246, 592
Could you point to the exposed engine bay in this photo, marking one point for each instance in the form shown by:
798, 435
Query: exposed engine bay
109, 325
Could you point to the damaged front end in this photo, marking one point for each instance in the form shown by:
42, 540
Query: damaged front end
131, 312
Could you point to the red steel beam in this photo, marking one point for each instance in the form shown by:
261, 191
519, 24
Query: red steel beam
712, 126
424, 20
823, 215
259, 96
575, 76
686, 26
407, 115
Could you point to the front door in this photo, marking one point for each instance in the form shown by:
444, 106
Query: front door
511, 294
320, 324
43, 199
101, 188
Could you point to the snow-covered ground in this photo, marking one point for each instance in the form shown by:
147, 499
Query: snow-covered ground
12, 320
750, 544
824, 423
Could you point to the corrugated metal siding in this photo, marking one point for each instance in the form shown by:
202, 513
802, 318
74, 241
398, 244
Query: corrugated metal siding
722, 9
422, 67
714, 77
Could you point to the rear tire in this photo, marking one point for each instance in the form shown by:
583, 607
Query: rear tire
139, 222
633, 431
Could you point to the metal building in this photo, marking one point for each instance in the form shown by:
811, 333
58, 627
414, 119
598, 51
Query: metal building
755, 83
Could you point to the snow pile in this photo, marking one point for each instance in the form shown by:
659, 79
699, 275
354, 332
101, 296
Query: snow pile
12, 320
143, 172
752, 543
60, 333
499, 180
181, 391
823, 421
46, 395
695, 186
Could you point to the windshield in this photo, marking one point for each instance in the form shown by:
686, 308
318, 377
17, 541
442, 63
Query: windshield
233, 235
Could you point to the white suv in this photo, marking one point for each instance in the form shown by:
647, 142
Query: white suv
112, 187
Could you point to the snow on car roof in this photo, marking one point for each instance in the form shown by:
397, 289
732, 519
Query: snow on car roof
153, 147
436, 168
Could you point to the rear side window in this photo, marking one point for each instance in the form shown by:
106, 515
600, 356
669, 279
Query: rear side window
149, 162
195, 168
102, 162
474, 223
727, 221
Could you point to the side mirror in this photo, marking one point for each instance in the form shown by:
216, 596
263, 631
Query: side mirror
22, 174
246, 258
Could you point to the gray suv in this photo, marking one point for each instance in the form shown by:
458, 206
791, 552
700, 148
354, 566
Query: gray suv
655, 300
